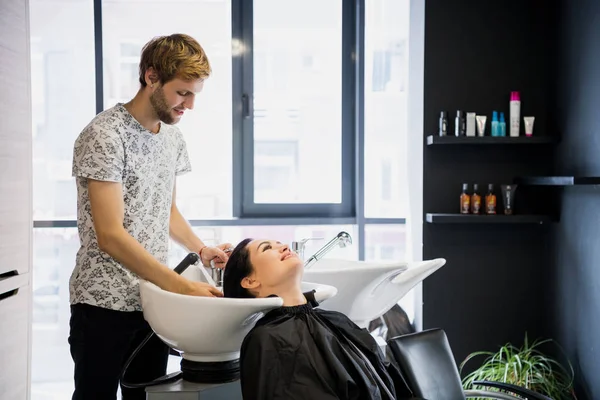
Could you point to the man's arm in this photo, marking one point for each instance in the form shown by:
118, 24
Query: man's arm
106, 199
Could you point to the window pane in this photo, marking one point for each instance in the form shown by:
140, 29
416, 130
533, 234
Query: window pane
205, 192
386, 85
388, 243
297, 101
54, 252
213, 235
63, 98
385, 242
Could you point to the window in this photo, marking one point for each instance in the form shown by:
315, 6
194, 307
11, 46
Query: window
63, 101
272, 139
386, 180
381, 70
385, 242
386, 73
275, 167
128, 77
283, 233
298, 95
53, 255
388, 243
63, 94
206, 192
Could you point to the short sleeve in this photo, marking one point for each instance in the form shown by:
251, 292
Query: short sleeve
183, 159
99, 155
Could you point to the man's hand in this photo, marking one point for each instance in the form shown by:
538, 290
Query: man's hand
218, 254
201, 289
225, 247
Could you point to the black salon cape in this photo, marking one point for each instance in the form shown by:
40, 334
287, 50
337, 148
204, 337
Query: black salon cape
302, 352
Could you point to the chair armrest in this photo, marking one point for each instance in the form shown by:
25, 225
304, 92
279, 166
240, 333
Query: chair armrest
469, 394
521, 391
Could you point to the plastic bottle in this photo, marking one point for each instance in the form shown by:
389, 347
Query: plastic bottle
460, 126
443, 128
502, 125
515, 113
495, 129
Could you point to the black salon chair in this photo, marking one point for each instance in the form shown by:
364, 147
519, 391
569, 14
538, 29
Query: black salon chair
427, 364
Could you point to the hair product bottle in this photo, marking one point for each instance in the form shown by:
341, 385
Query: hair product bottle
443, 129
460, 127
495, 128
515, 113
475, 200
465, 200
490, 200
502, 125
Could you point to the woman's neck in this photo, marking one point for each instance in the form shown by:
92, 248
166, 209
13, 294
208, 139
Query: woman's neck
292, 297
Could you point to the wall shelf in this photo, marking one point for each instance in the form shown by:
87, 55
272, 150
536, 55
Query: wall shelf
434, 218
558, 180
433, 140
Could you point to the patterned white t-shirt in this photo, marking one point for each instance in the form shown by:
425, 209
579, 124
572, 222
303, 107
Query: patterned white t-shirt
116, 147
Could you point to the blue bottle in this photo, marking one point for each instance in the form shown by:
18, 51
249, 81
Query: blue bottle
502, 125
495, 128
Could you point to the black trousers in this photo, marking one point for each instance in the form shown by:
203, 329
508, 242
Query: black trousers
101, 341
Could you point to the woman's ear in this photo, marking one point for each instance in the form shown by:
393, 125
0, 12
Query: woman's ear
250, 283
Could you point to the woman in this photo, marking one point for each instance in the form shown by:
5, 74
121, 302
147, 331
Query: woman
298, 351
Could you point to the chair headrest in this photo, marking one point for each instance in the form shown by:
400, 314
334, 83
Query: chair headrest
427, 363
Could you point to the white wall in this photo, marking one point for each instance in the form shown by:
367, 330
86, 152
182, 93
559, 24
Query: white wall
15, 200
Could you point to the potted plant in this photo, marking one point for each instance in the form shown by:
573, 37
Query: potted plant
526, 367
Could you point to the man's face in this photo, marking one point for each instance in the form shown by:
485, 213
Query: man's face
170, 100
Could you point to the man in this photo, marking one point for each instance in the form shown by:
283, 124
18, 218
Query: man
125, 163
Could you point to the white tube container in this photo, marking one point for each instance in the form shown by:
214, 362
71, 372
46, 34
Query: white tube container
515, 113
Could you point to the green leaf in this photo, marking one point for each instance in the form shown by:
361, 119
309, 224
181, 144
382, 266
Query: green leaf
526, 366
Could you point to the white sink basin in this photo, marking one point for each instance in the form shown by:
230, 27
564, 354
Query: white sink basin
367, 290
208, 329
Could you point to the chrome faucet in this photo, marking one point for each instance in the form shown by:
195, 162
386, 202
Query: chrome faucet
298, 247
217, 273
342, 240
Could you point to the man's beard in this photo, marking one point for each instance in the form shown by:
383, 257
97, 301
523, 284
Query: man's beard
159, 104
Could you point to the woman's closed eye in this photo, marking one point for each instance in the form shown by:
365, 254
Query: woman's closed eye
264, 246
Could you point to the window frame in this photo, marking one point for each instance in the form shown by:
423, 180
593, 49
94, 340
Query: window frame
243, 89
245, 211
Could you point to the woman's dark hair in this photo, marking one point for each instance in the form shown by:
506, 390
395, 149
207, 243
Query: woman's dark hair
237, 268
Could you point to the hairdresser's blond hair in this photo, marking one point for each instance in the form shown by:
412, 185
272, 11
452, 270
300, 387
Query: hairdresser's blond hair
175, 56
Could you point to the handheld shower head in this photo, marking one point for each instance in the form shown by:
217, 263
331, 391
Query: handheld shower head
342, 239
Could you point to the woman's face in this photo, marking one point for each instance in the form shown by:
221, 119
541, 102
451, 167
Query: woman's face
275, 268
